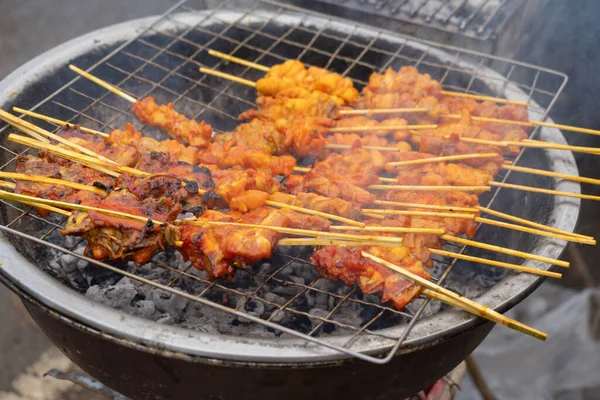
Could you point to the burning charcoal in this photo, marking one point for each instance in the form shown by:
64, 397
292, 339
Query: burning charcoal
265, 269
437, 270
118, 296
165, 319
288, 289
319, 312
144, 309
167, 303
68, 263
278, 316
273, 298
252, 307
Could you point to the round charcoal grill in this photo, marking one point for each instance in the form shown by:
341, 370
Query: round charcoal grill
260, 335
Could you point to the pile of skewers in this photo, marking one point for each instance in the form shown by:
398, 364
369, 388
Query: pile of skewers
388, 177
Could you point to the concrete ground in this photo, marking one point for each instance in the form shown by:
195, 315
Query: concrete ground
28, 28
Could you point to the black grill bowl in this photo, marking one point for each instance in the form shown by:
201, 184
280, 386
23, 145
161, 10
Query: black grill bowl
143, 359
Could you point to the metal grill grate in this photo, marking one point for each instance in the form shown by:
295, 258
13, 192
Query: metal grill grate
478, 19
163, 61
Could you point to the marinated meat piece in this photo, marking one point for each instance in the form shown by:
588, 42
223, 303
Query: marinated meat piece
176, 125
219, 249
348, 265
292, 75
315, 202
121, 238
333, 185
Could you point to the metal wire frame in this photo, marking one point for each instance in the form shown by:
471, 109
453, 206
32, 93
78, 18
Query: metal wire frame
163, 54
479, 19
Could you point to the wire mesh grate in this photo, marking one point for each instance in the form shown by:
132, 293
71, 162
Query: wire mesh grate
478, 19
163, 62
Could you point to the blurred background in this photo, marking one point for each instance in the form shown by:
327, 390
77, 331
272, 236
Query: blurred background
558, 34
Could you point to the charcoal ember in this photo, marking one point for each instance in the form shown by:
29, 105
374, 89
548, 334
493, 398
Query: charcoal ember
315, 298
274, 298
165, 319
144, 309
251, 307
279, 317
167, 302
265, 269
318, 312
68, 263
287, 289
437, 270
118, 296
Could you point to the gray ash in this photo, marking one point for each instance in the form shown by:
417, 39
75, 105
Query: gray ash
312, 305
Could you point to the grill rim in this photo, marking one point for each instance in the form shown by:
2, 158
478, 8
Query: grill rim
47, 62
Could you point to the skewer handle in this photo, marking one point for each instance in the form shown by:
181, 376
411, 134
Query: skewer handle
104, 84
238, 60
230, 77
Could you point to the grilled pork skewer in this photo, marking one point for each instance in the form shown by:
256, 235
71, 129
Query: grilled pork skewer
281, 70
404, 91
257, 201
390, 285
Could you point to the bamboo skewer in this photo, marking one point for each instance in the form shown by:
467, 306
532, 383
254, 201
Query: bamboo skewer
534, 231
376, 111
73, 206
104, 84
425, 206
295, 231
29, 128
109, 169
442, 159
466, 304
568, 238
525, 143
416, 188
334, 146
389, 229
306, 232
230, 77
527, 124
545, 191
264, 68
238, 60
56, 121
485, 98
552, 174
420, 213
50, 181
500, 264
530, 223
338, 242
314, 212
504, 250
385, 128
12, 186
491, 183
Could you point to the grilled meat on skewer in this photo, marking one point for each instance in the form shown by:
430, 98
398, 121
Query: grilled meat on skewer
176, 125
